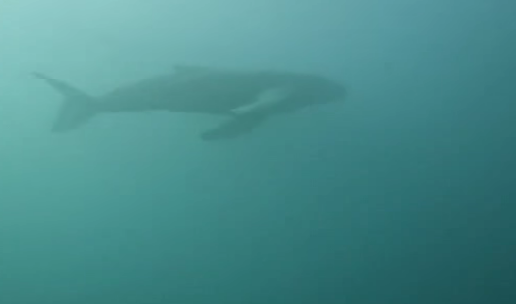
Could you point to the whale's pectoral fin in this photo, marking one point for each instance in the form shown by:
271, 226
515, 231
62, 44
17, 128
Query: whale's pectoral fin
248, 117
234, 127
268, 101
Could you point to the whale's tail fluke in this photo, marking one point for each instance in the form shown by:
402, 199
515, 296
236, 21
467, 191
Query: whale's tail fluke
77, 108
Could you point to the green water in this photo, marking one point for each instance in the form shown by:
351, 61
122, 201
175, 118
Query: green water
403, 194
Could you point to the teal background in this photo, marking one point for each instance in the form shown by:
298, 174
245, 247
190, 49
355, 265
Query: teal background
402, 194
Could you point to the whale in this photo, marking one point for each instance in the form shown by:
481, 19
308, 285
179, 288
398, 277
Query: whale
244, 99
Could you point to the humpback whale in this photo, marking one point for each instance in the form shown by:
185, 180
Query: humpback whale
245, 99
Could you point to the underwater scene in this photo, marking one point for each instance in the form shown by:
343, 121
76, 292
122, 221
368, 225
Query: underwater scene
257, 152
